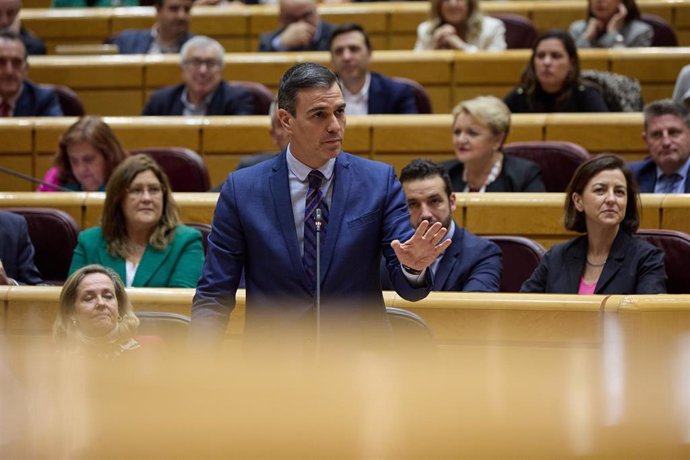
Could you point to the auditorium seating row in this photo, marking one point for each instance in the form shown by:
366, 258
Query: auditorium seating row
120, 85
392, 25
538, 216
29, 144
548, 319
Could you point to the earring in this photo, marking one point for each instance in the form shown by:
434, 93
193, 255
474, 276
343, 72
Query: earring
119, 319
75, 323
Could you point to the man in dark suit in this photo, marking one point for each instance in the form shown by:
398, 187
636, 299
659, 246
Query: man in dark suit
10, 22
18, 96
301, 29
366, 92
667, 135
167, 35
471, 263
266, 222
203, 92
16, 252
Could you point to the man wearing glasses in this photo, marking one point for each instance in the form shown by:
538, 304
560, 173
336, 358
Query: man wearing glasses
301, 29
203, 91
18, 96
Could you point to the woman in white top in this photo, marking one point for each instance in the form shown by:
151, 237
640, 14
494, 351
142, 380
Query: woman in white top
459, 25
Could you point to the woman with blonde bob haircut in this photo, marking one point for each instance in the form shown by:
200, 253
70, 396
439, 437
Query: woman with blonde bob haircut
459, 25
480, 127
602, 201
88, 152
95, 313
141, 237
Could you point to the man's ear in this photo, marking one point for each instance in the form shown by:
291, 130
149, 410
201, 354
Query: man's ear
451, 200
285, 120
644, 137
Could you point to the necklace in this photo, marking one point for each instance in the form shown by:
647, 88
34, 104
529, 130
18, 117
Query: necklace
595, 265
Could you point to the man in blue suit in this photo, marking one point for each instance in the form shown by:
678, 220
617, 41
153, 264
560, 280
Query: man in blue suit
16, 252
301, 29
167, 35
366, 92
471, 263
667, 135
203, 91
18, 96
266, 222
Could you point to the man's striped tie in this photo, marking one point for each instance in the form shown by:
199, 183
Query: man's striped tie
314, 201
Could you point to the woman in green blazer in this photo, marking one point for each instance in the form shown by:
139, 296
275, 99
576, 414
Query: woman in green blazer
141, 237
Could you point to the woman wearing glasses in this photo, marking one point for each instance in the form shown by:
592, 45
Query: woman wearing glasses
141, 236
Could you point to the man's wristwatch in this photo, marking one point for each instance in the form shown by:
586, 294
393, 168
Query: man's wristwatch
411, 270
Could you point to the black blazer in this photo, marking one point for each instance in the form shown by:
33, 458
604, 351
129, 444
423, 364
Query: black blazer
227, 100
633, 267
517, 175
389, 96
16, 250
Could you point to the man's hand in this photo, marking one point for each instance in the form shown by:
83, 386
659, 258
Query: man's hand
297, 35
421, 250
4, 280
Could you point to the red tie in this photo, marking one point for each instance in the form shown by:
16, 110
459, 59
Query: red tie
4, 109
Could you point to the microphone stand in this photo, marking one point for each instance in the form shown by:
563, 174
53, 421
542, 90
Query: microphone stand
33, 179
317, 223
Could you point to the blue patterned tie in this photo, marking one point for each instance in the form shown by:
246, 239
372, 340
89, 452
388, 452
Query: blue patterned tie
314, 201
668, 182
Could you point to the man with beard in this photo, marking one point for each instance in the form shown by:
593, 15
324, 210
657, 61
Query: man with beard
167, 35
203, 91
366, 92
667, 135
18, 96
471, 263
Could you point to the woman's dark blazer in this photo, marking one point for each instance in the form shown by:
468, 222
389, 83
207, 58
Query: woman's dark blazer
633, 267
517, 175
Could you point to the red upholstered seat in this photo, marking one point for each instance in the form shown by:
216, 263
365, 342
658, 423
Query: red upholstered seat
520, 257
520, 32
185, 168
676, 245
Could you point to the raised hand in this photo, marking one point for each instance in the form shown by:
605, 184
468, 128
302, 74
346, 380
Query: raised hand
617, 20
297, 35
421, 250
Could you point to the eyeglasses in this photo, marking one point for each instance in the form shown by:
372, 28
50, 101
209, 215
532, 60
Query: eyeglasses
195, 63
139, 190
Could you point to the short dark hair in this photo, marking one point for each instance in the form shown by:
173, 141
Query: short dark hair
574, 219
424, 169
306, 75
14, 37
347, 28
666, 107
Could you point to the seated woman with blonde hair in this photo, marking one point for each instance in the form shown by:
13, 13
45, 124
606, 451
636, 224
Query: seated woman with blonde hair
601, 201
141, 237
88, 152
95, 315
480, 127
459, 25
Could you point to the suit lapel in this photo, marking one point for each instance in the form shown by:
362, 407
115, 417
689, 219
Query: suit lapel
282, 205
342, 182
575, 259
448, 262
614, 261
117, 263
150, 261
215, 107
647, 178
375, 97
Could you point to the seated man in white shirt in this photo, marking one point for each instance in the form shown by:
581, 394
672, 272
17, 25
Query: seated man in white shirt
366, 92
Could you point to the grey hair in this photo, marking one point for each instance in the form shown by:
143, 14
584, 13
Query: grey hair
202, 41
666, 107
306, 75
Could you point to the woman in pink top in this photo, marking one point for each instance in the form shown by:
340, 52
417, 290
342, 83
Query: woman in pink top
602, 201
88, 152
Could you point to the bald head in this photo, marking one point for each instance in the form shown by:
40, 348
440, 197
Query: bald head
292, 11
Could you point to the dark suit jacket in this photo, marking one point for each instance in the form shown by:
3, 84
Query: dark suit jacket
36, 101
645, 171
389, 96
179, 265
138, 41
470, 264
227, 100
321, 44
33, 44
16, 250
633, 267
254, 229
517, 175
